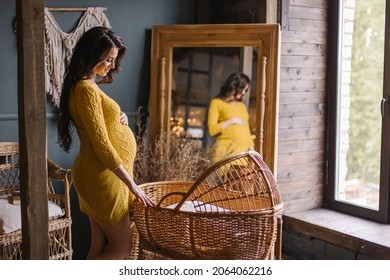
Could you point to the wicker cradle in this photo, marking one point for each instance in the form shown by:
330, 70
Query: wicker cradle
60, 241
233, 211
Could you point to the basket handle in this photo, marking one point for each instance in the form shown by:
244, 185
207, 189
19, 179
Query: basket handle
158, 206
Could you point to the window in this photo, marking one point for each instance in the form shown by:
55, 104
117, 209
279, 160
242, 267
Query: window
358, 109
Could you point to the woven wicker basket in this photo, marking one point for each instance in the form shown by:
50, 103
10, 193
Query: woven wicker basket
233, 211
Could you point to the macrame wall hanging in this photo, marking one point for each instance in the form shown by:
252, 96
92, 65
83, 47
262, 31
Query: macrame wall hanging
59, 45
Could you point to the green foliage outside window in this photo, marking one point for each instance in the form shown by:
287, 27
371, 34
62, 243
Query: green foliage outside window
366, 91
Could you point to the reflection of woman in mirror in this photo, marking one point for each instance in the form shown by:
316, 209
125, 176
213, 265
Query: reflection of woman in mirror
228, 118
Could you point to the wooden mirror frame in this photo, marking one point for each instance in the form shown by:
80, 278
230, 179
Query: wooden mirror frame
264, 37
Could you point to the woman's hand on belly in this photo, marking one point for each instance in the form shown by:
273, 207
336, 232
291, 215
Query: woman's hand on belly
123, 119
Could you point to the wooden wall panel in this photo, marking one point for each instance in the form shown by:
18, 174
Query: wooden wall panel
302, 85
302, 204
302, 61
299, 12
299, 158
299, 192
309, 3
303, 49
300, 122
300, 133
288, 36
301, 146
292, 183
307, 25
301, 97
302, 110
296, 73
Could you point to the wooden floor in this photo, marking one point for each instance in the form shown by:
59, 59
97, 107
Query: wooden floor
363, 236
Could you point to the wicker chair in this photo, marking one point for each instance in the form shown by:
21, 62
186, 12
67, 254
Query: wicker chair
233, 211
60, 242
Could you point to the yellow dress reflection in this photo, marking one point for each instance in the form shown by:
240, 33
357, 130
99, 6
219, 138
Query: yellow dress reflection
234, 138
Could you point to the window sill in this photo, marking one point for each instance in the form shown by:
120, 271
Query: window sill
356, 234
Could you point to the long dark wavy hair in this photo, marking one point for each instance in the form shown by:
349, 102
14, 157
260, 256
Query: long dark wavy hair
233, 85
90, 50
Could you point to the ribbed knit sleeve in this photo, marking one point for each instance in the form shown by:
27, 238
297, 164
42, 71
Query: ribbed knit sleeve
89, 109
214, 127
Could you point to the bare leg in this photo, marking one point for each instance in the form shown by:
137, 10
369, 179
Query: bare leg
118, 238
98, 240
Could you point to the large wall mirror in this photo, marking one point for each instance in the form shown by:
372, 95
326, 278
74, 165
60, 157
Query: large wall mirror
189, 63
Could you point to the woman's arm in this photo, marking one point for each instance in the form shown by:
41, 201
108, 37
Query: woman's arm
122, 173
89, 107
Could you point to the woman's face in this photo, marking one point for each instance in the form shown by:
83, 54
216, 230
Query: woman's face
240, 93
107, 64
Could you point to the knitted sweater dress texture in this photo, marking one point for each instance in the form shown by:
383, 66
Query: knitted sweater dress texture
233, 139
105, 143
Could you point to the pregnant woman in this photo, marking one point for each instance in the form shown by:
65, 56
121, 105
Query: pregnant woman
102, 172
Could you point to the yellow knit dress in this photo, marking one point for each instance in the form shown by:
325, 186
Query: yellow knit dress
233, 139
105, 143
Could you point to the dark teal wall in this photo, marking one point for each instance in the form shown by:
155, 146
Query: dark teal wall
132, 20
